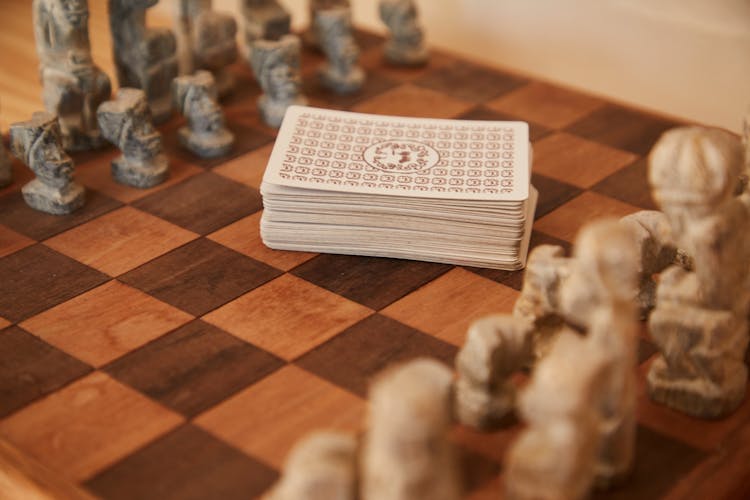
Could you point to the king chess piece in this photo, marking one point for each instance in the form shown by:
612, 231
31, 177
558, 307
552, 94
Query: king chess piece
406, 46
206, 134
264, 19
73, 87
145, 57
126, 123
341, 72
310, 36
276, 65
38, 144
206, 41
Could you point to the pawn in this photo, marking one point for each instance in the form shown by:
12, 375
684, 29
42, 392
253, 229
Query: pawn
206, 134
320, 467
341, 73
496, 347
276, 65
6, 170
38, 143
406, 45
126, 123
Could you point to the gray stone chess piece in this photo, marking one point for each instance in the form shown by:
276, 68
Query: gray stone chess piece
206, 40
6, 167
276, 65
206, 134
264, 19
145, 57
406, 46
310, 36
73, 87
38, 144
126, 123
341, 72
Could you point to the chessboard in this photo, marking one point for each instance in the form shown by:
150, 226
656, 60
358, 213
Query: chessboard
153, 347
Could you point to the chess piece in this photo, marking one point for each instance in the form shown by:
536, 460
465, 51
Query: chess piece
6, 167
341, 72
555, 456
320, 467
206, 134
265, 20
126, 123
700, 322
406, 46
311, 35
406, 453
496, 347
206, 40
73, 87
145, 58
276, 66
38, 143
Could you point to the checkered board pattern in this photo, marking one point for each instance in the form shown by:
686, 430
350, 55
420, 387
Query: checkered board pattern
152, 347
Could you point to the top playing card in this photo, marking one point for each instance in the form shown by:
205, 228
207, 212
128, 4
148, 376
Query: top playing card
426, 158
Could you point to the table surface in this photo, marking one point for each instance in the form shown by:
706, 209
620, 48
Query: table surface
152, 347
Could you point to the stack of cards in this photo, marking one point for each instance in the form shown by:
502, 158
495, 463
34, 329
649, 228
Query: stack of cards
451, 191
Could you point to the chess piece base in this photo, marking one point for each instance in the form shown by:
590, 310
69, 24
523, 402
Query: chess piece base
273, 112
142, 176
207, 145
41, 197
342, 84
401, 56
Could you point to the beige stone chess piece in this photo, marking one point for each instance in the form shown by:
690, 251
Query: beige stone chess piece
406, 453
700, 321
322, 466
496, 347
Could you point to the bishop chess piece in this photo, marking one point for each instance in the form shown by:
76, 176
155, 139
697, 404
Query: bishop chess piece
700, 322
145, 57
311, 35
276, 65
406, 452
73, 87
206, 134
406, 46
264, 19
341, 72
126, 123
206, 41
38, 143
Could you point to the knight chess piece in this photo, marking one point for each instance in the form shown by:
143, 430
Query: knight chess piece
700, 322
206, 41
406, 452
406, 46
38, 143
126, 123
322, 466
73, 86
264, 20
145, 58
276, 65
496, 347
310, 36
206, 134
341, 72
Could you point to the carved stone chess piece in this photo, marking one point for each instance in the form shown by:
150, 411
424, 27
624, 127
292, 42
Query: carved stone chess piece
276, 65
406, 44
700, 322
323, 466
126, 123
73, 86
206, 40
341, 72
38, 143
311, 34
265, 19
6, 167
496, 347
145, 57
406, 452
206, 134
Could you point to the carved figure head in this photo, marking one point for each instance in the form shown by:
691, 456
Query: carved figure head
126, 122
276, 66
196, 98
396, 14
38, 144
334, 29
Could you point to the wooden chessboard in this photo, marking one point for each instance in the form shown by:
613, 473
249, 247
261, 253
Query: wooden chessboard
154, 348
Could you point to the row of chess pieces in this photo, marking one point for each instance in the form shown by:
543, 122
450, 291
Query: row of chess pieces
159, 70
575, 326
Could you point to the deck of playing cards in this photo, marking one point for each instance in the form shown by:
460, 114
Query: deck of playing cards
451, 191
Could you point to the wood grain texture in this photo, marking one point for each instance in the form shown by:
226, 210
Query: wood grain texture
410, 100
